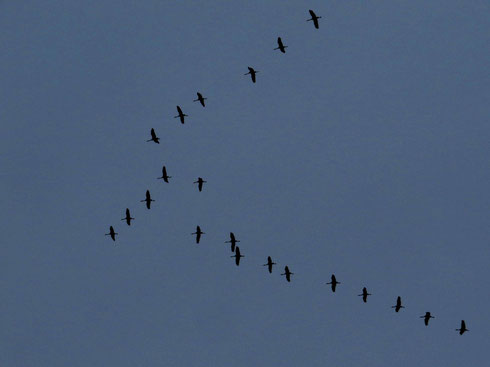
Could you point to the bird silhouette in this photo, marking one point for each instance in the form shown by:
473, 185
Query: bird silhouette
398, 304
252, 73
198, 234
112, 233
181, 115
281, 47
333, 282
128, 217
200, 182
463, 328
287, 273
164, 177
237, 256
154, 137
364, 294
426, 318
314, 18
233, 241
148, 199
269, 264
200, 98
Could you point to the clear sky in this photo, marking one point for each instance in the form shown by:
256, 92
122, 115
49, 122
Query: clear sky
363, 151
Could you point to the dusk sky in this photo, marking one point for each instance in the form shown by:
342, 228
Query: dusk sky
363, 151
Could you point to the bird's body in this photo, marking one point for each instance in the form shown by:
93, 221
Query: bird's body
398, 304
252, 73
164, 177
200, 98
112, 233
334, 283
281, 47
426, 318
269, 264
364, 294
200, 182
154, 137
237, 256
233, 241
181, 115
128, 217
148, 199
314, 18
287, 273
463, 328
198, 234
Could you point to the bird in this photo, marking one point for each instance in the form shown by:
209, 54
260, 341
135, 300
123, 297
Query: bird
252, 73
198, 233
287, 273
200, 181
364, 294
154, 137
112, 233
233, 241
281, 46
164, 177
200, 98
237, 256
426, 318
333, 283
314, 18
181, 115
128, 217
398, 304
148, 199
269, 264
463, 328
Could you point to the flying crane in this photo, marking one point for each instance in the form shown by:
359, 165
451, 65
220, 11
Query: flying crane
164, 177
426, 318
463, 328
398, 304
148, 199
281, 47
128, 217
314, 18
112, 233
252, 73
181, 115
269, 264
200, 98
333, 283
198, 234
237, 256
364, 294
233, 241
154, 137
287, 273
200, 182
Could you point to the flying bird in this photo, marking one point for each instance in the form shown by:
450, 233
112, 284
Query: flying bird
252, 73
200, 98
112, 233
314, 18
128, 217
237, 256
426, 318
148, 199
164, 177
200, 182
398, 304
287, 273
233, 241
154, 137
333, 283
364, 294
181, 115
281, 46
269, 264
463, 328
198, 233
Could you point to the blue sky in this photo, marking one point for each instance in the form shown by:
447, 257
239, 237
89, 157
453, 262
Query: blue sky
363, 151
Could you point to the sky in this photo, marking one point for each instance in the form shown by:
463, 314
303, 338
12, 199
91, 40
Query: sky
362, 152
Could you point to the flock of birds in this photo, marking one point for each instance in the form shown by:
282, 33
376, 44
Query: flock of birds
233, 241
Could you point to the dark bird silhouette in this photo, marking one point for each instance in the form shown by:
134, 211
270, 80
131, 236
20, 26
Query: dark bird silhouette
128, 217
198, 234
269, 264
199, 181
181, 115
200, 98
252, 73
398, 304
281, 46
154, 137
112, 233
333, 283
237, 256
364, 294
426, 318
233, 241
314, 18
463, 328
164, 177
287, 273
148, 199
